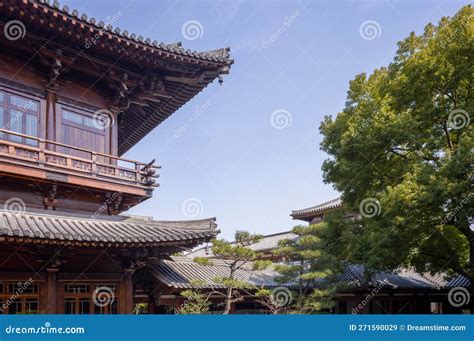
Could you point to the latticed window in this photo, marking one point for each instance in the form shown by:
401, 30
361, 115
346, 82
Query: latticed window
90, 298
20, 115
19, 298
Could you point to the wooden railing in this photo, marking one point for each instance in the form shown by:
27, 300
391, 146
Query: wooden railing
45, 154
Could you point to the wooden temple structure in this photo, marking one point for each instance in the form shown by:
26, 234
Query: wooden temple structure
75, 95
403, 291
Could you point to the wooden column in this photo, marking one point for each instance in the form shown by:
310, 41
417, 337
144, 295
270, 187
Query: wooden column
151, 303
128, 304
51, 116
113, 133
51, 296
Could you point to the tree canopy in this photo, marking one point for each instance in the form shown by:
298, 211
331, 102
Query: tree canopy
401, 153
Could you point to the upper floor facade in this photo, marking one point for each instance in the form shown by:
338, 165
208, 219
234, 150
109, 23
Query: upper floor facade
75, 95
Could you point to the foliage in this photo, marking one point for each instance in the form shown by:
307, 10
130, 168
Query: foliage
235, 255
404, 142
266, 298
309, 266
196, 303
140, 308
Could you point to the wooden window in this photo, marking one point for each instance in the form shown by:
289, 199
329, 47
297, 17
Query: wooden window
83, 299
19, 298
19, 114
79, 129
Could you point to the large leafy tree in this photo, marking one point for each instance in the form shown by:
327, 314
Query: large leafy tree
401, 153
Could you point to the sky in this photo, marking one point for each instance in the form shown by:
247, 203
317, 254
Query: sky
247, 151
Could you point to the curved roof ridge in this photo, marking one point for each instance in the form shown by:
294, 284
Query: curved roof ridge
334, 203
124, 34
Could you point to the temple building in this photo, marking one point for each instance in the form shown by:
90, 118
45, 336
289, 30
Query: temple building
403, 291
75, 95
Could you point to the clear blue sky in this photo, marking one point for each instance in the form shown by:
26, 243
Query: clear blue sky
230, 158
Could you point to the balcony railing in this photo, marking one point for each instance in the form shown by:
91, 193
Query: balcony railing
45, 154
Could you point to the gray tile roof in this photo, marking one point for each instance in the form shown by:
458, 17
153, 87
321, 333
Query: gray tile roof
181, 272
267, 243
400, 279
64, 228
335, 203
219, 55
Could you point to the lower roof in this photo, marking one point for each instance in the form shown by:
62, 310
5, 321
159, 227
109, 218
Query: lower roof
267, 243
183, 272
121, 231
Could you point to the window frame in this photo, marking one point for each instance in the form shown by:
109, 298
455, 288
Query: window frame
6, 295
105, 133
8, 107
89, 295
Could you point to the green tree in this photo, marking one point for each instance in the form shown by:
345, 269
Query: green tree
308, 266
196, 302
236, 255
401, 154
